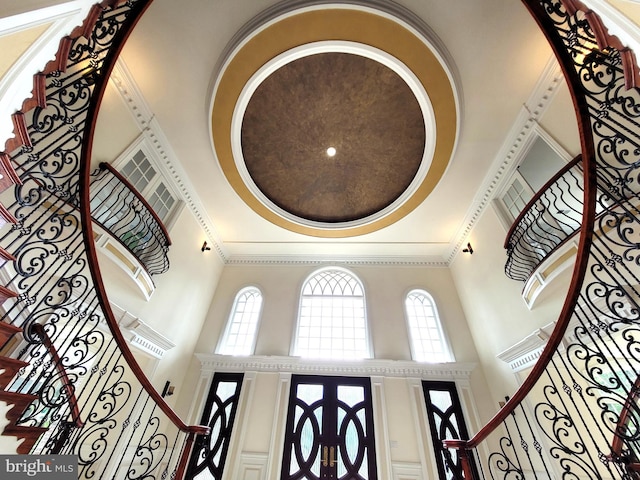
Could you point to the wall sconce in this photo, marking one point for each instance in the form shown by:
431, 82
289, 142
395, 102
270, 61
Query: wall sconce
205, 247
469, 249
167, 391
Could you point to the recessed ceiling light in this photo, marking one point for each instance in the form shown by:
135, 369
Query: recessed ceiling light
331, 151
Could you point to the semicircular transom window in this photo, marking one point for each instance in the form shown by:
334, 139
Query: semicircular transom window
332, 321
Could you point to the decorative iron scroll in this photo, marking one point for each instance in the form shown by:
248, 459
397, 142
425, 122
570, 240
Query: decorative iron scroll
446, 421
581, 417
121, 211
210, 452
547, 221
92, 396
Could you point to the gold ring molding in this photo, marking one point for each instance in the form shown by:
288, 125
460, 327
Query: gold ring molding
324, 25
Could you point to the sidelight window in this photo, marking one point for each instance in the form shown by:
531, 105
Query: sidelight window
446, 422
210, 451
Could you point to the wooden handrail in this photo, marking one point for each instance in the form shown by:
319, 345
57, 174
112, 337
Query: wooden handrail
625, 413
585, 241
576, 160
66, 382
123, 180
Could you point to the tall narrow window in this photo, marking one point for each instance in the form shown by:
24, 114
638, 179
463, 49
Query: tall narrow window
332, 321
428, 342
516, 197
240, 334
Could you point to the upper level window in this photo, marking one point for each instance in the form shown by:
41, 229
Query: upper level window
332, 321
537, 163
428, 342
140, 165
144, 177
240, 334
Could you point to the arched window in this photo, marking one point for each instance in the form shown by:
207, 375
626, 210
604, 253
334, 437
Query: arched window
428, 343
240, 333
332, 321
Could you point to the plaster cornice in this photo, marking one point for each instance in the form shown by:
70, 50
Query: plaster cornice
122, 79
540, 98
316, 261
374, 367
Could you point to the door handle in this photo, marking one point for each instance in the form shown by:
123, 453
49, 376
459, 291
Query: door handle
332, 460
324, 456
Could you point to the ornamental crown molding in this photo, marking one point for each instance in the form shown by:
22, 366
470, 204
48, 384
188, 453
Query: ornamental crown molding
369, 367
527, 351
122, 79
509, 154
141, 334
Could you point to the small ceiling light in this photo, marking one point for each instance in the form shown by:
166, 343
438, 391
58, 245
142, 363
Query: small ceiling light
468, 250
205, 247
331, 151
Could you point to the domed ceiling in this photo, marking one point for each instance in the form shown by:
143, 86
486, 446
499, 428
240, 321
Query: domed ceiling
334, 122
333, 137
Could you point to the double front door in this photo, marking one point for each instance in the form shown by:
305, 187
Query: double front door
329, 432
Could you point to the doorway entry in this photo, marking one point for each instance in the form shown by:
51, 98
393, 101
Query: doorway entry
329, 431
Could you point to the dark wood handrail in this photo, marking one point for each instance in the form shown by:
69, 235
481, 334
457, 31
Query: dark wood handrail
625, 414
87, 228
585, 242
576, 160
123, 180
66, 382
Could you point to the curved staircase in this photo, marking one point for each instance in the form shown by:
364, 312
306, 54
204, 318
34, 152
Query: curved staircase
71, 384
560, 424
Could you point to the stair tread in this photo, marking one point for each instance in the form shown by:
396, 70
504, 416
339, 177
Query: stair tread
6, 361
28, 433
17, 397
17, 429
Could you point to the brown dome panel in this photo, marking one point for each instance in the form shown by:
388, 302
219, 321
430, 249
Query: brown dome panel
352, 103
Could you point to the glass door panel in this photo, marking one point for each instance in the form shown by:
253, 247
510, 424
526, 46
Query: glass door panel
329, 432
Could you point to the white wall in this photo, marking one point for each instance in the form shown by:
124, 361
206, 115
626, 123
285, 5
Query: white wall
183, 294
385, 288
498, 316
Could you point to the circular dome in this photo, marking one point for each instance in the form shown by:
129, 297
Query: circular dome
333, 121
333, 137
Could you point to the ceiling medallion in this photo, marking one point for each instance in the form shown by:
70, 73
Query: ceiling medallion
334, 122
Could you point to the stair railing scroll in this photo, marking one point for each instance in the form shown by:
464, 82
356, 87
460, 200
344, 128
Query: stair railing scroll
548, 220
576, 415
118, 207
121, 426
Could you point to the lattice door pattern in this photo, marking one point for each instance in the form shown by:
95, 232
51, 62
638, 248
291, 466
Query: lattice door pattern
329, 432
210, 452
446, 422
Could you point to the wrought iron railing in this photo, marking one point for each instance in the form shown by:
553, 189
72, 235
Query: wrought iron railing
120, 209
103, 409
551, 217
577, 415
